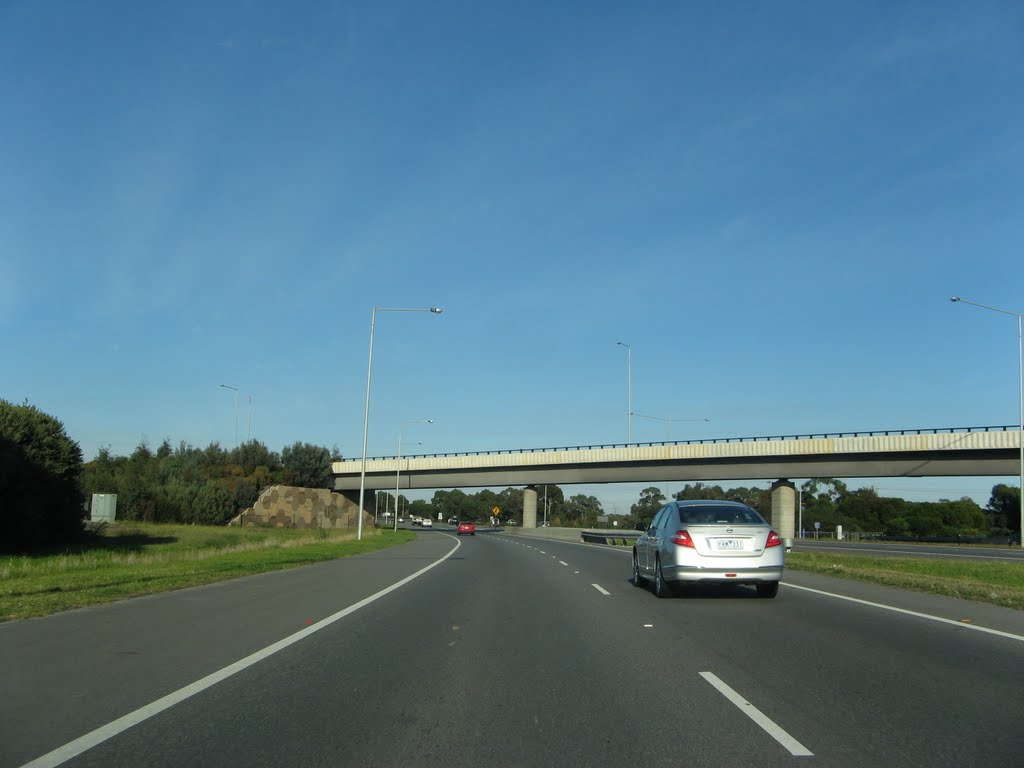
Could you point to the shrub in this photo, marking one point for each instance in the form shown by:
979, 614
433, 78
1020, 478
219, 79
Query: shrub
40, 467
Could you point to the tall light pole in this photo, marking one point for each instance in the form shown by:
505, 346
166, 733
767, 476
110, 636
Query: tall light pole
366, 409
629, 390
398, 462
248, 429
1020, 396
228, 386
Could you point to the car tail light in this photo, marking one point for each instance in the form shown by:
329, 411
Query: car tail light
773, 540
682, 538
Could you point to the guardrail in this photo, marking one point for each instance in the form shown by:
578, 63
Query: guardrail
709, 441
995, 541
622, 538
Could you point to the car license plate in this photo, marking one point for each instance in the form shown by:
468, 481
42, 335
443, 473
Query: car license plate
730, 544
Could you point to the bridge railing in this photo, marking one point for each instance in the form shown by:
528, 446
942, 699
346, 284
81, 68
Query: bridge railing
708, 441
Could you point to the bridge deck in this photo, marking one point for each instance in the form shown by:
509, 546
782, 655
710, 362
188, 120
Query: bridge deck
981, 451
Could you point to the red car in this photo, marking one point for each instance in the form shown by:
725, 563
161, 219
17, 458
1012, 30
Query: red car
467, 527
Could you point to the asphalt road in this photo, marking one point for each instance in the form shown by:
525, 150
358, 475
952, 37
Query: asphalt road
514, 652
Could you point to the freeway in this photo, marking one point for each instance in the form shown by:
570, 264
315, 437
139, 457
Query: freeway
505, 650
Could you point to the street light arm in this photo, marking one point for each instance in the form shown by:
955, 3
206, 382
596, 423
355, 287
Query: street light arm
958, 300
662, 418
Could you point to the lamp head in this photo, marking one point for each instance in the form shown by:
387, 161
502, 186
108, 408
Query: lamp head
955, 299
436, 310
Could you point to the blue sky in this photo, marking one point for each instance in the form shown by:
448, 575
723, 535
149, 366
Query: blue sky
772, 202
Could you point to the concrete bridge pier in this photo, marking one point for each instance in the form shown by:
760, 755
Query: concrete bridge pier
530, 506
369, 499
784, 510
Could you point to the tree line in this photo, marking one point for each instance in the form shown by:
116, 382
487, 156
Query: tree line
208, 486
830, 502
45, 486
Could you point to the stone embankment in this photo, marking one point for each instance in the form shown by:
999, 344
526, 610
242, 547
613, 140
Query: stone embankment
284, 506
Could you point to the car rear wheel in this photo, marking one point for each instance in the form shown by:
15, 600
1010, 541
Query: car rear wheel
768, 589
661, 587
638, 580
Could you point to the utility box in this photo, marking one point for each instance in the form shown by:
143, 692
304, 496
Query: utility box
104, 507
839, 533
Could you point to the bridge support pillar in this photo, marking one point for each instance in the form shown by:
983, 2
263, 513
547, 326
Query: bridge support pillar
784, 509
369, 500
530, 506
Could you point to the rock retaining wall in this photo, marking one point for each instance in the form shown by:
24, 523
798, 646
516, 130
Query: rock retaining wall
284, 506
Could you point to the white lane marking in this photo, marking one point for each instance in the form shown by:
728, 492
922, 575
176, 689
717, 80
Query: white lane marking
648, 626
792, 745
542, 551
960, 624
563, 562
600, 589
83, 743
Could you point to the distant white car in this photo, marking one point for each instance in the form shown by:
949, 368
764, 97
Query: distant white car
427, 523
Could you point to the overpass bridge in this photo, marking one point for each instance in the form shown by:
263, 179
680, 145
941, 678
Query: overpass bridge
953, 451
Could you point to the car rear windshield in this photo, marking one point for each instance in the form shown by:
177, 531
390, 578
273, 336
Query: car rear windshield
714, 515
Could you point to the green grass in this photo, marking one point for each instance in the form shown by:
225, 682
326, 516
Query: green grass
997, 583
131, 559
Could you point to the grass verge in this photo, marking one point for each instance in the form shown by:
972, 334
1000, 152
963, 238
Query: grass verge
996, 583
131, 559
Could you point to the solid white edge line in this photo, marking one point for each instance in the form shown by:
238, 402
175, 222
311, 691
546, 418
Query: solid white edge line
793, 746
600, 589
83, 743
955, 623
563, 562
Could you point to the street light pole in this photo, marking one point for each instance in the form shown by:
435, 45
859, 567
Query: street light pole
1020, 395
629, 390
228, 386
366, 409
398, 459
248, 428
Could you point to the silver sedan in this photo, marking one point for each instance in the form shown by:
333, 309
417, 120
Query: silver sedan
723, 542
